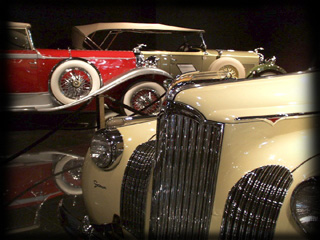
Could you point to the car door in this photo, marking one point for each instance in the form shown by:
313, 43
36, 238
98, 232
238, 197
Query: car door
183, 62
21, 62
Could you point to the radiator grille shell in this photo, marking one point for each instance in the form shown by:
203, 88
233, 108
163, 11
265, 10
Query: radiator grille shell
134, 188
185, 174
254, 203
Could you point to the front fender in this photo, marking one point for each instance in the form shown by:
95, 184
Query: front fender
120, 79
266, 67
103, 202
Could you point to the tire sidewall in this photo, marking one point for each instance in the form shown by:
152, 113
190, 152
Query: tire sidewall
218, 64
136, 87
65, 187
55, 78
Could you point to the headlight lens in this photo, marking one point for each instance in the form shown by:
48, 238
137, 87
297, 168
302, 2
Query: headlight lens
305, 205
106, 148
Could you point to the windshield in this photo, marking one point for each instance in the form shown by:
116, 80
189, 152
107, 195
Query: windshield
18, 39
108, 40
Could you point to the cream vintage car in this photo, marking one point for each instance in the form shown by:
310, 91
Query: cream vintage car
225, 158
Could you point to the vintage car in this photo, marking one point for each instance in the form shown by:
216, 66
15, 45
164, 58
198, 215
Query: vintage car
40, 79
225, 158
178, 50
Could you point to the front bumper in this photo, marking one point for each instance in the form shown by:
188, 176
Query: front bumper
75, 221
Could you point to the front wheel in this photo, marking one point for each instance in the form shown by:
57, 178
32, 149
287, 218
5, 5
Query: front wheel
141, 95
73, 80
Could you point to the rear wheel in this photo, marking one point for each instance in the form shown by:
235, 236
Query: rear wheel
141, 95
229, 65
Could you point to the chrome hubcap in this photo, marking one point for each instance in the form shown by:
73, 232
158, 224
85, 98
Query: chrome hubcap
75, 83
144, 97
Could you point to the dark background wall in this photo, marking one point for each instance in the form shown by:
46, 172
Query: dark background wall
285, 30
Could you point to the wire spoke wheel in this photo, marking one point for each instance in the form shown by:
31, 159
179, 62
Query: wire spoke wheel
143, 98
75, 83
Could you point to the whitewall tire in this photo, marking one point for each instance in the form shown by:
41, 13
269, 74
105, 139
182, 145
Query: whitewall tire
229, 64
73, 80
142, 94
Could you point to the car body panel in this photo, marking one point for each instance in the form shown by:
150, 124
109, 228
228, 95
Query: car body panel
97, 198
270, 96
38, 64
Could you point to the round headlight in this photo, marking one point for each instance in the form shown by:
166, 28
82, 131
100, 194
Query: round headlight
106, 148
305, 206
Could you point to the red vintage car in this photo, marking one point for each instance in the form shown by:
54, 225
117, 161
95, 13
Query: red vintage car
44, 79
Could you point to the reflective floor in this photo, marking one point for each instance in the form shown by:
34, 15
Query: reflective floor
33, 186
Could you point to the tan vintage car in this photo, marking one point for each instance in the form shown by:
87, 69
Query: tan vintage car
225, 158
178, 50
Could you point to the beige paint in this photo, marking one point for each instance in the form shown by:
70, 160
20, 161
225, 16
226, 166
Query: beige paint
247, 145
102, 204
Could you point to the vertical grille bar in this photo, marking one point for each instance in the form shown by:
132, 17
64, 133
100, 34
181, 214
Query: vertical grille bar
134, 188
187, 161
254, 203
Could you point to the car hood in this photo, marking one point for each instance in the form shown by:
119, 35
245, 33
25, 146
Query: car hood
230, 100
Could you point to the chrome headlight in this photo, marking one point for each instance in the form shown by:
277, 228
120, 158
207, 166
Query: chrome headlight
305, 205
106, 148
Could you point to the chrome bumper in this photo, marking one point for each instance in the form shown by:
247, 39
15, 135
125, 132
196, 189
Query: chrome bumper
75, 221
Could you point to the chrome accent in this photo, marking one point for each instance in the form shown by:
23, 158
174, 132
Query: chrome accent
75, 83
282, 115
135, 187
185, 174
106, 148
260, 55
115, 122
196, 80
139, 55
304, 205
20, 55
113, 82
254, 203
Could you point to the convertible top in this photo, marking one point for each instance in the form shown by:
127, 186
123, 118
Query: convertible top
18, 25
79, 33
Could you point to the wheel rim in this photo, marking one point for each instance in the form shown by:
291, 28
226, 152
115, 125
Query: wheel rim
144, 97
230, 69
75, 83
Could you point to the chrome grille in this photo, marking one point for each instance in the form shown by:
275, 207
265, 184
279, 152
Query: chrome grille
134, 188
254, 203
185, 173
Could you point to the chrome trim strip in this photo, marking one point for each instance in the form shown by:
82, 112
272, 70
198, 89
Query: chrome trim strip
19, 55
121, 121
282, 115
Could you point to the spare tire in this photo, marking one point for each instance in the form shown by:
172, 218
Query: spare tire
72, 80
230, 65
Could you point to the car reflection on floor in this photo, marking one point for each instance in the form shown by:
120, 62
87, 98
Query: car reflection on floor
33, 184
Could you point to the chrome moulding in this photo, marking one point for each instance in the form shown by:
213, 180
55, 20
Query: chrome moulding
134, 188
254, 203
185, 173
